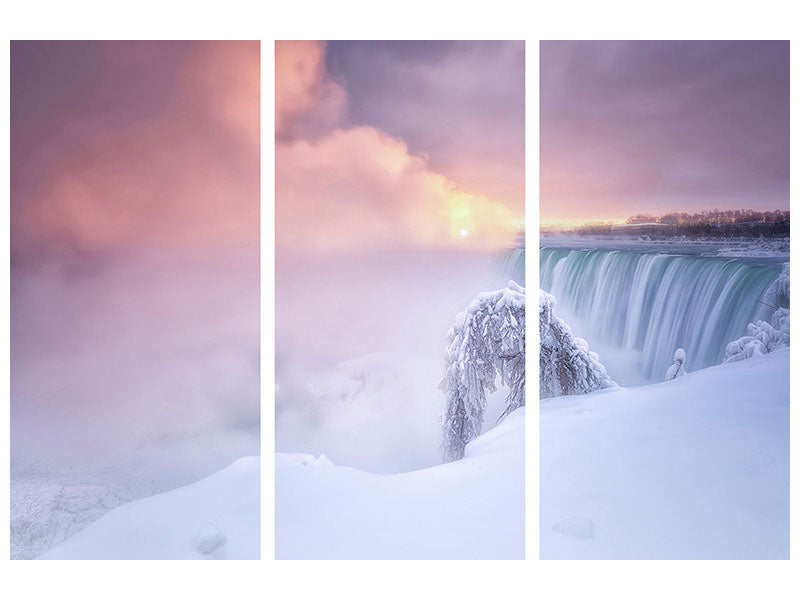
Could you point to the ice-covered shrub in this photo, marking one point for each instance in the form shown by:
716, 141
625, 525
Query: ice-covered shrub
763, 337
566, 366
487, 340
678, 367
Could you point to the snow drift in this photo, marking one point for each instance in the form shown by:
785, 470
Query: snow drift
693, 468
468, 509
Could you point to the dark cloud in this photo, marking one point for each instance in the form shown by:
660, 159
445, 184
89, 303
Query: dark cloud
460, 103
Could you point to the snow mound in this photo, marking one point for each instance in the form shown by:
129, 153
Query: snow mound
216, 517
678, 366
578, 527
209, 538
566, 366
694, 468
472, 509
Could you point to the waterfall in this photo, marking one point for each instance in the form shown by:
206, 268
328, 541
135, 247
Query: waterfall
511, 262
655, 303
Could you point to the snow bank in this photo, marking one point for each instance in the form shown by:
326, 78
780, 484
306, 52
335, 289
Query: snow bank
216, 517
469, 509
695, 468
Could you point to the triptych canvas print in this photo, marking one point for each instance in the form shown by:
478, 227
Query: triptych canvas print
661, 390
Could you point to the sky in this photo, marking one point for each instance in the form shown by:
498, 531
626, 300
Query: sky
135, 175
399, 145
400, 176
658, 126
133, 144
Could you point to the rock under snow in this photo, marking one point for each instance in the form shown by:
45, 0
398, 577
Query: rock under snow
209, 538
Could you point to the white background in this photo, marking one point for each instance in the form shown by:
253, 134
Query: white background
416, 580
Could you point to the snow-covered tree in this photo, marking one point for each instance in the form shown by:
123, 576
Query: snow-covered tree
763, 337
487, 341
678, 367
566, 366
777, 295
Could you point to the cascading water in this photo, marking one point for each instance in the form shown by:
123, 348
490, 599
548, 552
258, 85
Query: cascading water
654, 303
512, 261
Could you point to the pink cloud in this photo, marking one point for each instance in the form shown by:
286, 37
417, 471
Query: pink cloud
140, 145
307, 100
358, 188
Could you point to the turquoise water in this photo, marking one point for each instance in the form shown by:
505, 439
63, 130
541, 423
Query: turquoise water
653, 303
512, 264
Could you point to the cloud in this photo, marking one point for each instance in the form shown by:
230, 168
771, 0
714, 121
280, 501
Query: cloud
629, 127
307, 100
461, 103
135, 233
358, 188
131, 144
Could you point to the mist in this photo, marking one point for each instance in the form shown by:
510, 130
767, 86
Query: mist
114, 353
360, 342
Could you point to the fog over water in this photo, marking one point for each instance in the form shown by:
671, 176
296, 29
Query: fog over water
385, 316
134, 274
127, 351
385, 229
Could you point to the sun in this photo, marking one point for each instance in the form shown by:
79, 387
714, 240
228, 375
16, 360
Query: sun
463, 233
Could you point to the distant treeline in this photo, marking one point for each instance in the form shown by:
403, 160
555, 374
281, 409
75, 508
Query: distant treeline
711, 230
714, 217
712, 224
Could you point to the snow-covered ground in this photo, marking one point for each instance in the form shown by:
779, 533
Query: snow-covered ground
216, 518
51, 501
473, 508
131, 375
48, 508
694, 468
